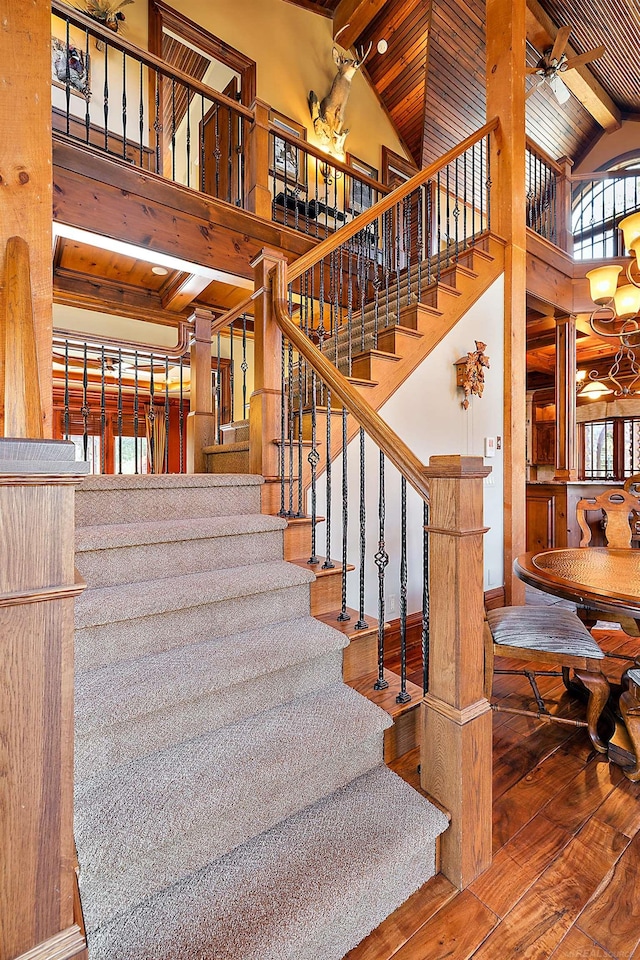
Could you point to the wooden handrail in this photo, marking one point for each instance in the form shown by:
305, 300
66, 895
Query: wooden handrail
380, 432
22, 406
185, 332
330, 161
226, 319
545, 157
363, 220
85, 22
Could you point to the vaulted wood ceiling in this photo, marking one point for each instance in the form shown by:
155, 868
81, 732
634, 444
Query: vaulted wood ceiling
432, 81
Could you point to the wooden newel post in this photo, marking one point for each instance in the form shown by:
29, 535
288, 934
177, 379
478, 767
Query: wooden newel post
566, 453
258, 192
563, 206
265, 403
456, 732
201, 422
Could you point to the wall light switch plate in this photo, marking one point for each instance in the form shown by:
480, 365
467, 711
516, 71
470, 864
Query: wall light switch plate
489, 446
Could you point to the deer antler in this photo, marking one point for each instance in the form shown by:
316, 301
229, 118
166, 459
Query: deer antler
363, 56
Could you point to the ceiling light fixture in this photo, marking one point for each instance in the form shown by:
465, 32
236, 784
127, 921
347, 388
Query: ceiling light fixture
159, 271
617, 313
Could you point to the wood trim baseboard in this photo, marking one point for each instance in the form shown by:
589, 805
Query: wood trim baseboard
63, 946
494, 598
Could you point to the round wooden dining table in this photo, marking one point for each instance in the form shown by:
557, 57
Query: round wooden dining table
597, 577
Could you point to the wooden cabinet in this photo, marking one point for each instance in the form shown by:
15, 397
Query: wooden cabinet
551, 514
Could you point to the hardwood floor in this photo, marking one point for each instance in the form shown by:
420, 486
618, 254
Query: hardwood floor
566, 829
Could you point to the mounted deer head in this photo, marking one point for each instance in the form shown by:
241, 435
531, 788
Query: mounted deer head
328, 114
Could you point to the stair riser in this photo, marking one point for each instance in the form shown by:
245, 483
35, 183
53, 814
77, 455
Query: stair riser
111, 744
326, 594
107, 568
132, 506
221, 462
403, 736
128, 639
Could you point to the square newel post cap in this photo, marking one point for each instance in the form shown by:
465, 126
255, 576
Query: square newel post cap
268, 255
454, 465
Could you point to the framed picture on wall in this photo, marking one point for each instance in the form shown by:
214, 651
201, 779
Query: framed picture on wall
70, 66
360, 196
288, 164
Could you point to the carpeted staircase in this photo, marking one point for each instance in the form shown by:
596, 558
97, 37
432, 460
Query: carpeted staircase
231, 800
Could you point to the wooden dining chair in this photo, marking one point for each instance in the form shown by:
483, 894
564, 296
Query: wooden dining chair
548, 635
620, 512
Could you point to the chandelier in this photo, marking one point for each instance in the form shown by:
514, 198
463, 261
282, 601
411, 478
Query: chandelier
617, 315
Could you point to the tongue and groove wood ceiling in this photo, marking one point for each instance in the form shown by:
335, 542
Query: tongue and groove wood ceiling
431, 81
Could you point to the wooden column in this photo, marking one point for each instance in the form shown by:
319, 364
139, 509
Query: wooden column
25, 163
201, 421
563, 206
37, 590
505, 99
456, 732
259, 198
565, 395
264, 409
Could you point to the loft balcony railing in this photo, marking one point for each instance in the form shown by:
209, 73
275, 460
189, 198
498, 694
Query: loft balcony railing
599, 203
125, 405
112, 96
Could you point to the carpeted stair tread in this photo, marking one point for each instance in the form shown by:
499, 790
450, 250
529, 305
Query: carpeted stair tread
136, 707
310, 888
142, 826
111, 535
125, 602
164, 481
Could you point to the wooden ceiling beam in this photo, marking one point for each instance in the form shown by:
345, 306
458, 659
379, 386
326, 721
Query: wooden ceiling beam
540, 363
541, 32
353, 17
183, 290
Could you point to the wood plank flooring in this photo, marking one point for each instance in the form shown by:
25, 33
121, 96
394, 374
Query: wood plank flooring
565, 880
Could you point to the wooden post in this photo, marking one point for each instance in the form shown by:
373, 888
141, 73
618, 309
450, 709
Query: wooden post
25, 165
456, 731
506, 35
565, 396
563, 206
264, 409
201, 421
259, 198
37, 590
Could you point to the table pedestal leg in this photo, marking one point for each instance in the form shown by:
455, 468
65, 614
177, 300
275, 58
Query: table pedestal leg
598, 688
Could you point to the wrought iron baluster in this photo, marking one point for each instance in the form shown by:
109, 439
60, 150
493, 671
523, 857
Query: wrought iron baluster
481, 188
119, 410
157, 122
173, 129
489, 182
87, 92
106, 96
124, 106
407, 203
429, 230
166, 414
85, 407
66, 390
217, 152
201, 145
283, 403
344, 615
420, 255
404, 696
361, 622
188, 136
313, 459
230, 160
103, 411
67, 81
244, 366
328, 562
181, 417
136, 410
141, 118
290, 511
151, 419
232, 372
381, 560
349, 309
399, 228
448, 213
438, 224
464, 200
456, 212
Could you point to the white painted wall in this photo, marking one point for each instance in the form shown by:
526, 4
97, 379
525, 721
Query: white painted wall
426, 412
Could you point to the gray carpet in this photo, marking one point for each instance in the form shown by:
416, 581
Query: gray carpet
230, 795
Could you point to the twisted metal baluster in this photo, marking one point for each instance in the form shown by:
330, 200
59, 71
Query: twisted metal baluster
438, 225
105, 94
362, 623
419, 240
188, 136
349, 311
66, 390
244, 366
456, 214
87, 95
407, 219
328, 562
124, 106
381, 560
448, 213
489, 183
140, 117
343, 615
397, 209
151, 417
425, 598
403, 696
283, 416
85, 408
313, 459
232, 373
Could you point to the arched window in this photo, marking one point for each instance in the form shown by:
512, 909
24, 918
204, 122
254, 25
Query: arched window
599, 203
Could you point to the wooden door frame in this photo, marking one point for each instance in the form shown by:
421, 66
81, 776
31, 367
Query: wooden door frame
162, 15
